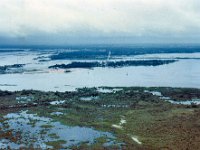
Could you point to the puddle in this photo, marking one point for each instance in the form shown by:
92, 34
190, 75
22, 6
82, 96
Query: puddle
36, 131
89, 98
189, 102
136, 140
120, 125
117, 126
5, 143
57, 113
107, 90
122, 121
168, 99
24, 99
57, 102
155, 93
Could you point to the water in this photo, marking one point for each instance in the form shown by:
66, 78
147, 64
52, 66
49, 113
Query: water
187, 102
57, 102
37, 76
38, 131
168, 99
107, 90
89, 98
24, 99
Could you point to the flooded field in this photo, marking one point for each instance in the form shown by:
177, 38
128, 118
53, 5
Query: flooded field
36, 74
39, 132
99, 100
101, 118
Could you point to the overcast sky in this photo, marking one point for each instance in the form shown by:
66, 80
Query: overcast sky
103, 21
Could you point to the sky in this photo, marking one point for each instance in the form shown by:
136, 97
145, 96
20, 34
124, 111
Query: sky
54, 22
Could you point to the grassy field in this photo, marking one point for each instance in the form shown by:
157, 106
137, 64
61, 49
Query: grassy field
137, 118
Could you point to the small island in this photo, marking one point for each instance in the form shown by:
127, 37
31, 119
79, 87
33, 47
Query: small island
113, 64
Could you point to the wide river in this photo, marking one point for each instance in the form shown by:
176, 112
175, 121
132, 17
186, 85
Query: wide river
183, 73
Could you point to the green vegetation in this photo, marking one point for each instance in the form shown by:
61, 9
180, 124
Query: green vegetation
138, 119
113, 64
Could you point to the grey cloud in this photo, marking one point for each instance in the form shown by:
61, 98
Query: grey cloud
70, 20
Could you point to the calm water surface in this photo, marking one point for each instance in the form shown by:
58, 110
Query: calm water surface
183, 73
